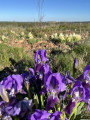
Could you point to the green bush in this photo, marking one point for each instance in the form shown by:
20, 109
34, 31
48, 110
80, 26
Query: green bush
32, 41
80, 49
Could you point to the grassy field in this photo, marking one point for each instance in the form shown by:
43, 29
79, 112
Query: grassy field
15, 42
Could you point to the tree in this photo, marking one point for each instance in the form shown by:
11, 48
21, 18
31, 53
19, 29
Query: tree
40, 10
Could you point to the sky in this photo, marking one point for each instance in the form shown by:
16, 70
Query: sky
52, 10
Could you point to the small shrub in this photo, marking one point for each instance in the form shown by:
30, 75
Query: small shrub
32, 41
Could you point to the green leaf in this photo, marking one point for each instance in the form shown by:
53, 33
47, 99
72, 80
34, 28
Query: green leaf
42, 101
78, 117
74, 112
79, 108
36, 100
62, 116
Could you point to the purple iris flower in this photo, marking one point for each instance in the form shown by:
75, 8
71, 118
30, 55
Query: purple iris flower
26, 107
85, 79
75, 63
80, 78
68, 78
21, 108
86, 73
55, 83
51, 102
75, 66
40, 55
31, 70
25, 75
69, 108
9, 109
41, 65
81, 93
13, 110
4, 115
78, 91
29, 78
55, 116
13, 83
40, 60
85, 76
44, 72
40, 115
87, 98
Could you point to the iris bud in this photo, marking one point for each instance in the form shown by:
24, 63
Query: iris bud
3, 94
